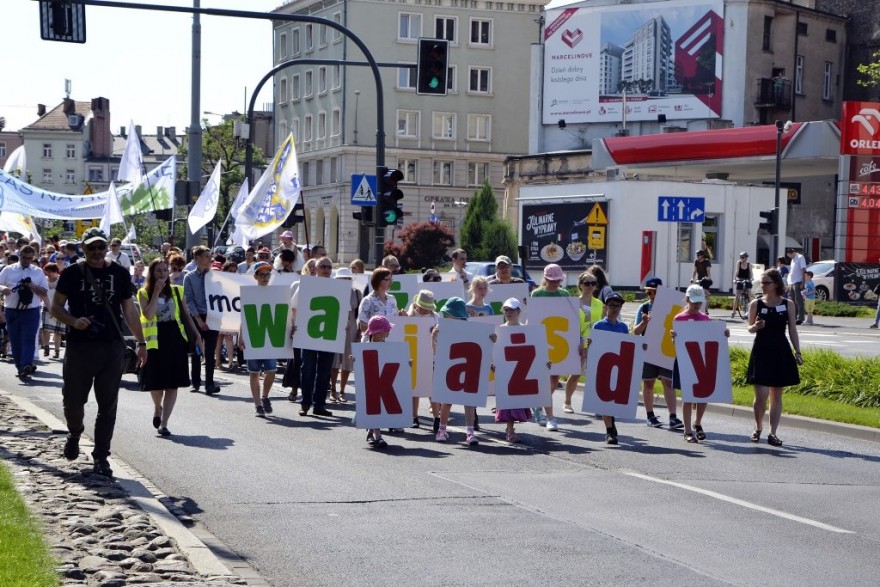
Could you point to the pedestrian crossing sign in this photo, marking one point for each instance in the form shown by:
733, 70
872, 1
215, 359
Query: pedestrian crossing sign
363, 190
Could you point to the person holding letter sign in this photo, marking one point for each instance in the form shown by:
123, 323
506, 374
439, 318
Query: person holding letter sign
591, 310
423, 306
694, 298
378, 329
772, 366
512, 308
551, 286
262, 272
611, 322
456, 309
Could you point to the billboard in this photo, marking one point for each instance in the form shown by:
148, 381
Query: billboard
860, 128
668, 64
574, 236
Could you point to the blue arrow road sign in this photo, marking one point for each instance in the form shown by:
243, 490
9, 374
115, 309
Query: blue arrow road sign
363, 190
681, 209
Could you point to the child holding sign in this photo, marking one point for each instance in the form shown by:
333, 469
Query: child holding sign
262, 403
378, 329
512, 308
611, 323
456, 309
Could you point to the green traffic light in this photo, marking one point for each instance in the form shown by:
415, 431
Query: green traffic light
390, 216
434, 83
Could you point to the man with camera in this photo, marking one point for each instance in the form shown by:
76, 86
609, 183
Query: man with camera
98, 296
22, 284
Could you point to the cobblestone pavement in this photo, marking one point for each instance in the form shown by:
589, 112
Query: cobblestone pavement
96, 532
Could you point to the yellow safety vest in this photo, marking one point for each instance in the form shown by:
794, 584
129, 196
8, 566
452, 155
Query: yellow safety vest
151, 326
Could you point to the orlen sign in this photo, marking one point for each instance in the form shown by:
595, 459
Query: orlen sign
860, 128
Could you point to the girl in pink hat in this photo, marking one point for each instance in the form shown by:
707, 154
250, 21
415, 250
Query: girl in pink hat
378, 329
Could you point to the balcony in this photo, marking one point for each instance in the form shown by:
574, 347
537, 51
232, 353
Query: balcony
773, 93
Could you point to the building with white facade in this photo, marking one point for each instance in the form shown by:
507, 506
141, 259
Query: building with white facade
610, 68
647, 57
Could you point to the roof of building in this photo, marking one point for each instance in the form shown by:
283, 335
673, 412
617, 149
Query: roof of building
153, 145
56, 119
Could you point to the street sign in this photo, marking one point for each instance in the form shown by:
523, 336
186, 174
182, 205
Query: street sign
596, 215
363, 190
681, 209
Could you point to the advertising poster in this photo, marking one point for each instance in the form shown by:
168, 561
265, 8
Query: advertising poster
574, 236
857, 283
665, 61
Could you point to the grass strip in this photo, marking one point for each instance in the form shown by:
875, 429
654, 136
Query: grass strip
24, 555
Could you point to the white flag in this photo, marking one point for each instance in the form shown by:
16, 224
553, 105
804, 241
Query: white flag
131, 236
205, 207
239, 199
20, 223
238, 238
17, 161
112, 210
132, 164
273, 198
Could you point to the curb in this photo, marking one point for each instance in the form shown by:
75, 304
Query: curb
200, 546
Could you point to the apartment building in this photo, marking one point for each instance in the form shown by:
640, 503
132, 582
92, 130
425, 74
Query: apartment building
446, 146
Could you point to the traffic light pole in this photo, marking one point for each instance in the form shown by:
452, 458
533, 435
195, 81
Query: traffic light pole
779, 128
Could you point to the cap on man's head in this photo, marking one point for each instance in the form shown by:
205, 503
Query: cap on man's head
743, 254
262, 267
701, 252
502, 259
653, 283
94, 235
614, 299
695, 294
511, 304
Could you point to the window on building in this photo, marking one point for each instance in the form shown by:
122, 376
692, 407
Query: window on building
47, 150
282, 91
96, 174
831, 35
337, 77
310, 38
406, 77
322, 36
295, 49
70, 151
334, 169
336, 35
479, 80
283, 129
336, 122
686, 251
322, 79
479, 127
443, 173
294, 128
308, 89
47, 176
408, 123
826, 81
802, 29
69, 176
2, 148
410, 27
307, 128
444, 125
444, 28
322, 125
478, 172
410, 169
319, 172
282, 46
304, 175
451, 85
294, 87
768, 28
799, 74
481, 31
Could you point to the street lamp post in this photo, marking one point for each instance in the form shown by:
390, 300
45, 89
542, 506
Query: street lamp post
781, 127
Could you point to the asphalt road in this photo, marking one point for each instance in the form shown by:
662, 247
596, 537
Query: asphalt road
306, 502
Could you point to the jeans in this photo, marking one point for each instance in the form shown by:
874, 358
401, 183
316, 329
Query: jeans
209, 337
315, 377
22, 326
798, 299
87, 363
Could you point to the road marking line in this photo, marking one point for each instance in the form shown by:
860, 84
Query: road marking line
740, 502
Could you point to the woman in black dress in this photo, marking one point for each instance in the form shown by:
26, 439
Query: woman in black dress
772, 366
165, 319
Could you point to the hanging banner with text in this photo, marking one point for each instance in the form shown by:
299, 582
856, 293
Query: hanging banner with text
383, 395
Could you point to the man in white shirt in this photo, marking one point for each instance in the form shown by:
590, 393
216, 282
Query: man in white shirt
459, 260
796, 278
18, 282
115, 254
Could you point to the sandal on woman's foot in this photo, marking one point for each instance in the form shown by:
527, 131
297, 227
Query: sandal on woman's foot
512, 438
756, 435
341, 399
380, 443
370, 438
773, 441
699, 432
689, 437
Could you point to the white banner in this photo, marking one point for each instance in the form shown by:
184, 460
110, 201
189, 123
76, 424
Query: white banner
462, 363
522, 375
205, 208
415, 331
703, 361
383, 395
223, 294
322, 307
562, 321
614, 363
266, 322
661, 349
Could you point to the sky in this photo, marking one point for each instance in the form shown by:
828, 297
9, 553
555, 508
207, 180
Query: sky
137, 59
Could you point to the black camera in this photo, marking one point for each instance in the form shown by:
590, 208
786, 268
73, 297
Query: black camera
25, 293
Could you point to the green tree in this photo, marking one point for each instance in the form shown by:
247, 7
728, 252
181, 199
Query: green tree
481, 212
220, 144
421, 244
499, 239
870, 71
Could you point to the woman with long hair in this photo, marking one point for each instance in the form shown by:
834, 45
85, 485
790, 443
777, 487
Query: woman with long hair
165, 321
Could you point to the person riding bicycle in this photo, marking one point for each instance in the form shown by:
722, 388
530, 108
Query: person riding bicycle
702, 274
742, 279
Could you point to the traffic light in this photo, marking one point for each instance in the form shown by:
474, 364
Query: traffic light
365, 215
433, 67
389, 196
63, 20
771, 220
297, 215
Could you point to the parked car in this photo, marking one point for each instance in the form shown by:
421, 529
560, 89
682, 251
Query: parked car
823, 277
133, 251
487, 269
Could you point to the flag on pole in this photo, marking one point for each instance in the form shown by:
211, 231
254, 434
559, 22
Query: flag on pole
239, 239
273, 198
112, 210
21, 224
131, 236
132, 164
205, 207
239, 200
17, 161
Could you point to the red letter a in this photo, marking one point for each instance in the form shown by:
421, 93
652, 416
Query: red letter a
464, 376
